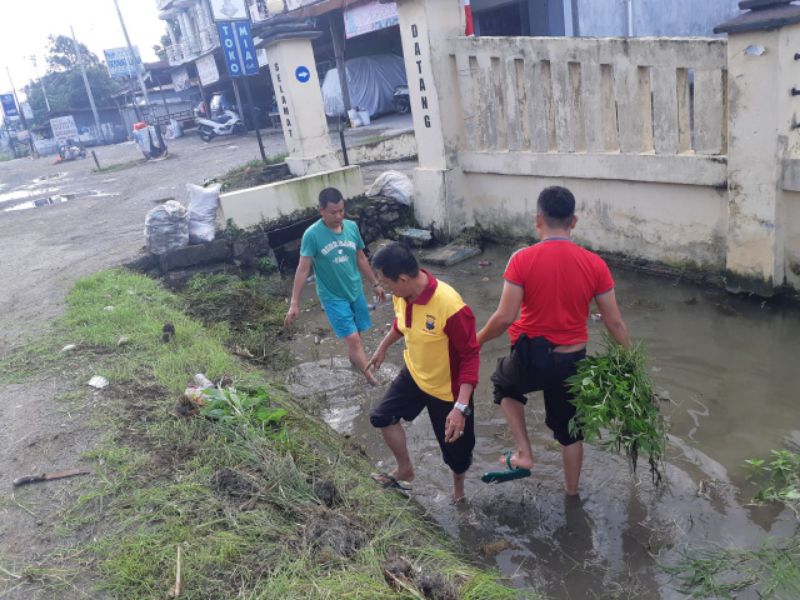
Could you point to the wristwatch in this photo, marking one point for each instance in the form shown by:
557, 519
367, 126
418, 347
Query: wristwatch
465, 409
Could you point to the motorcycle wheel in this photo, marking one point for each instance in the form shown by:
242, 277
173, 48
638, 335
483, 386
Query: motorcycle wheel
238, 129
402, 107
206, 136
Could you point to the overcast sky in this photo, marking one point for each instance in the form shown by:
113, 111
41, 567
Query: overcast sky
25, 25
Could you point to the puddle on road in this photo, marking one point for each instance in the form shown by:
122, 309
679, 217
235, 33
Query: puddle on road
733, 383
56, 199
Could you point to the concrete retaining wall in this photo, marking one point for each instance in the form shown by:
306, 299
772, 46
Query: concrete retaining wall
247, 208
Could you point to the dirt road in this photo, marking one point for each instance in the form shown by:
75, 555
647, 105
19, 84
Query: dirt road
45, 250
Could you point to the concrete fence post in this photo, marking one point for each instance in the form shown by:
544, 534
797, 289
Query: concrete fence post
763, 74
427, 28
299, 99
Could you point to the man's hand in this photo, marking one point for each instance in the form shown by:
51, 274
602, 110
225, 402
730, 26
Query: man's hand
454, 426
377, 359
292, 315
380, 293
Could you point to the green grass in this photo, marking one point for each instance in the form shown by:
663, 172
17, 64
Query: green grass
237, 495
771, 572
249, 174
780, 477
114, 167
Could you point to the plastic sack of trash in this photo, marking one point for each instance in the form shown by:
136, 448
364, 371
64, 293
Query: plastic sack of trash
166, 227
203, 205
394, 185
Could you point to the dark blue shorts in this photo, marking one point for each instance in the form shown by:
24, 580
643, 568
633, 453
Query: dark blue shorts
404, 400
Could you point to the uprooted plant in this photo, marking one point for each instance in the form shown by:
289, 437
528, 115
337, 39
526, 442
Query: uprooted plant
781, 474
251, 406
616, 405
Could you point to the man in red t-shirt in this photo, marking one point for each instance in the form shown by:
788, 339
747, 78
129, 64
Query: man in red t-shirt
550, 285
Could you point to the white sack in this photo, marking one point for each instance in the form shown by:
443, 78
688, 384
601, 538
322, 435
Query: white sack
203, 205
395, 185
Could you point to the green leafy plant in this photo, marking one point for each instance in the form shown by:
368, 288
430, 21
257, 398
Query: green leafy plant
616, 405
782, 474
230, 405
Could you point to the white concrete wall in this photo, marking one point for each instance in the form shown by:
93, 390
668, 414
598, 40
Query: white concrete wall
792, 238
679, 225
248, 208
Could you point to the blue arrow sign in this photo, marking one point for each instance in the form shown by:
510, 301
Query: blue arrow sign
303, 74
236, 39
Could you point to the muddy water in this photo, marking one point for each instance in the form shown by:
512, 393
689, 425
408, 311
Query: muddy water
729, 367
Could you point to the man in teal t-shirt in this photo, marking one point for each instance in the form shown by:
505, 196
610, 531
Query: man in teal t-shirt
334, 247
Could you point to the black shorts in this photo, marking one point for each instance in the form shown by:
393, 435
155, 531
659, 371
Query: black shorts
404, 400
532, 366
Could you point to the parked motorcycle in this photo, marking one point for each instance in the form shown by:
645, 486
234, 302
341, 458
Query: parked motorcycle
402, 102
71, 150
227, 123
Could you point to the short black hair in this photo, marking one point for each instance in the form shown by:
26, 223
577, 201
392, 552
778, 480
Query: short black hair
330, 196
394, 260
557, 205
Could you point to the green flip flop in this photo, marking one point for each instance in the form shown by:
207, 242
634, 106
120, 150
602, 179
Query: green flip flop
509, 474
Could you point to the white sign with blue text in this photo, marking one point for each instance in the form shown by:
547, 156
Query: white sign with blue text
121, 63
237, 44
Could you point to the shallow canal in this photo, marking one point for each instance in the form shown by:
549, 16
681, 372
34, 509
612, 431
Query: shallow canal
730, 369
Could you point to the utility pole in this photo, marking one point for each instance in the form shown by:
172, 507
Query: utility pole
86, 83
139, 65
22, 114
41, 82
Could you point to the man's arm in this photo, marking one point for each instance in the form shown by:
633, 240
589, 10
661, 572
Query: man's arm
369, 274
380, 353
460, 330
300, 277
612, 318
505, 315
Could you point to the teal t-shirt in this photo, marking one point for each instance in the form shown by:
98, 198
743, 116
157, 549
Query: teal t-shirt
334, 258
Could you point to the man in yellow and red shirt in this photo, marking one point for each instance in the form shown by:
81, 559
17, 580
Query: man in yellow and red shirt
442, 358
550, 285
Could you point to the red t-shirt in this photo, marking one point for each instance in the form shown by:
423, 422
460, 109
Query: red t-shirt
559, 279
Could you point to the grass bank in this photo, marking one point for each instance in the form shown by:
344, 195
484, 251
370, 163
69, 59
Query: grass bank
259, 508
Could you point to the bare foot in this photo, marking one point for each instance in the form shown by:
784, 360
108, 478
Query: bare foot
403, 475
517, 461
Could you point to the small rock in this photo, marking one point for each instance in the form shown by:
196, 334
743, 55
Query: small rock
493, 549
484, 263
317, 340
485, 279
597, 317
123, 341
98, 382
69, 347
108, 308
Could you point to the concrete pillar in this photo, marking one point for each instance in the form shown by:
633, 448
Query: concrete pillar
762, 72
173, 37
189, 37
299, 98
426, 28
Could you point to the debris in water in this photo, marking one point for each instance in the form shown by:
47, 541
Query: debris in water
495, 548
98, 382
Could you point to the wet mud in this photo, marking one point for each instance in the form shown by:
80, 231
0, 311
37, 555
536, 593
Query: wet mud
731, 379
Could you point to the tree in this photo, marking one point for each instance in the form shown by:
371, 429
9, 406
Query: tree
161, 49
61, 54
64, 82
